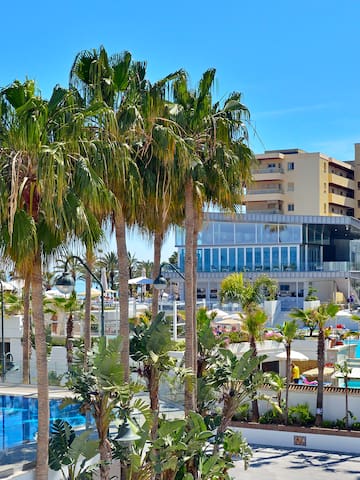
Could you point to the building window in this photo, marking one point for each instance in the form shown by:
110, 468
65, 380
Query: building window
291, 187
291, 207
291, 166
325, 187
324, 207
325, 167
359, 185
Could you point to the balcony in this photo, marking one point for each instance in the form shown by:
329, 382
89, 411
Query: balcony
341, 200
272, 173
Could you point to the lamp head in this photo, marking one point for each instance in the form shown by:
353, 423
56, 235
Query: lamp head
65, 283
160, 282
126, 435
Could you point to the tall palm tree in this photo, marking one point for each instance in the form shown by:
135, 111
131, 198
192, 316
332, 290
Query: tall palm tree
288, 330
249, 294
38, 201
322, 314
114, 83
214, 169
109, 261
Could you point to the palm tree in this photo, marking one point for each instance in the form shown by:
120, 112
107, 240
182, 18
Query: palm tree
149, 347
115, 83
38, 200
109, 261
249, 294
288, 330
213, 171
322, 314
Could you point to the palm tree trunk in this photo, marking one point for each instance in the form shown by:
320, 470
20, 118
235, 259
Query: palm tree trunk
190, 399
158, 241
320, 388
26, 332
195, 262
87, 317
42, 371
254, 402
69, 340
120, 233
288, 380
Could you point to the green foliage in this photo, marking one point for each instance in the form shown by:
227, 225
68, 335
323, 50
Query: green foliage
54, 378
301, 415
70, 453
243, 413
311, 294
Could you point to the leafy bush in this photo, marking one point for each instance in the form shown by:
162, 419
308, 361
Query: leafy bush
301, 415
271, 417
243, 413
236, 337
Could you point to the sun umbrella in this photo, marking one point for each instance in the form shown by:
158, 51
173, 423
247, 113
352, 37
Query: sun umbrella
314, 372
140, 281
294, 355
229, 321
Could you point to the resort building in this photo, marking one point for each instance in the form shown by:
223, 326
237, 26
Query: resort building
301, 227
294, 182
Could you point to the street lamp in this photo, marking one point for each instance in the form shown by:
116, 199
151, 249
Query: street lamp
65, 283
160, 283
125, 437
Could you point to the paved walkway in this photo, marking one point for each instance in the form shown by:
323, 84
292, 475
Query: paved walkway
269, 463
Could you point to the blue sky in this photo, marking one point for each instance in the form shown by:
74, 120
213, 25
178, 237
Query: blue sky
296, 63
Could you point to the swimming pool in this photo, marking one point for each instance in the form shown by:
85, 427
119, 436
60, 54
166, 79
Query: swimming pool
19, 418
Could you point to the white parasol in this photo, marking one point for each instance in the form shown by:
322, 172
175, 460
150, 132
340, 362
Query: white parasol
294, 355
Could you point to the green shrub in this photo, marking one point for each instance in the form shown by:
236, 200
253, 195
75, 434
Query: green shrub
243, 413
328, 424
271, 417
236, 337
57, 341
301, 415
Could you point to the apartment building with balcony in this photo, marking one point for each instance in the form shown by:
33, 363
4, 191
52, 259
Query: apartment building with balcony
301, 227
295, 182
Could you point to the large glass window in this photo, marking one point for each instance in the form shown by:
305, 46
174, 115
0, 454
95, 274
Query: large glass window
232, 264
245, 233
266, 258
249, 258
215, 260
240, 259
224, 259
267, 233
258, 261
205, 237
199, 253
182, 259
290, 233
275, 258
284, 258
207, 260
223, 233
293, 257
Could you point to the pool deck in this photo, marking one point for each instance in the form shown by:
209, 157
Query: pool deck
31, 390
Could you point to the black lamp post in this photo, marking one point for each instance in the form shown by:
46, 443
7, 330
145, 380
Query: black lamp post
65, 283
160, 281
126, 437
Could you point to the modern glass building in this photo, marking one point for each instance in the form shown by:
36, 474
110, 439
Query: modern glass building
296, 250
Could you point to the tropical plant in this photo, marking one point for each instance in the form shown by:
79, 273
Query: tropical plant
345, 370
39, 197
216, 156
307, 317
149, 346
114, 83
101, 391
70, 453
321, 314
288, 331
237, 380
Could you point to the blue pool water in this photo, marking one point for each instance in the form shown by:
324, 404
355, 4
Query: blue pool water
19, 416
